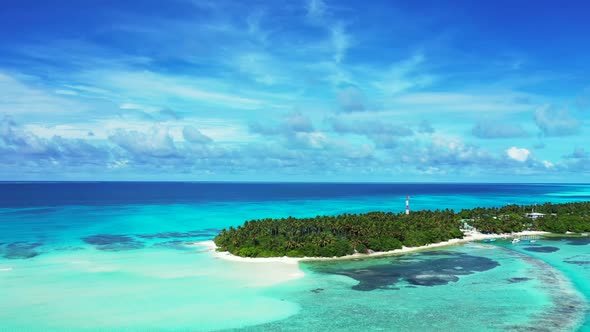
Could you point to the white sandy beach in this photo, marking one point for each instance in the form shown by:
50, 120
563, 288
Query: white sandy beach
273, 270
474, 236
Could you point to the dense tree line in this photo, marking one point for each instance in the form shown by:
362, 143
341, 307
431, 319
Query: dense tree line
328, 236
559, 218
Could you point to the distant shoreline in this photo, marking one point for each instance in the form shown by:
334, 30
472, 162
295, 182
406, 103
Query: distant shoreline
294, 260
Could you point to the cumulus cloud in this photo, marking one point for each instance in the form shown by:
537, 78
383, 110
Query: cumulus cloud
153, 150
296, 131
315, 140
518, 154
257, 127
193, 135
22, 146
384, 135
554, 122
490, 130
297, 122
453, 152
296, 134
368, 127
156, 142
25, 142
578, 161
292, 123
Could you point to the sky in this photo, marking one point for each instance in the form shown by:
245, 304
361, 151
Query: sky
302, 90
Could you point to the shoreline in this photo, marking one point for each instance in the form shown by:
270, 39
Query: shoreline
295, 260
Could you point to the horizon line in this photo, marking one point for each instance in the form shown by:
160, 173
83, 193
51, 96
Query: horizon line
274, 182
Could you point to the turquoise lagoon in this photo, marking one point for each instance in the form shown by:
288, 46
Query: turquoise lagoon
127, 266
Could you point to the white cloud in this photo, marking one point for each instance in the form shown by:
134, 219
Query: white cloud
130, 106
404, 75
548, 164
500, 129
340, 41
146, 86
260, 66
297, 122
316, 140
66, 92
64, 130
193, 135
518, 154
18, 97
87, 89
118, 164
155, 142
140, 107
463, 102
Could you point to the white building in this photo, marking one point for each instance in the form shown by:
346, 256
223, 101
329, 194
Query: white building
535, 215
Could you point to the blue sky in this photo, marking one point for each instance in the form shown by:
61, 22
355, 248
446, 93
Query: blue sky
304, 90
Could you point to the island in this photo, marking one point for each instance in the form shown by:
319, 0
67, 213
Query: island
348, 234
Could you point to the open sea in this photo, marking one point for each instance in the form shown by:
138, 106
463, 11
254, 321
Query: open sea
115, 256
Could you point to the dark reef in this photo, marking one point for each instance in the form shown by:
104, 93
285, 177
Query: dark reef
580, 241
170, 235
21, 250
113, 242
545, 249
425, 271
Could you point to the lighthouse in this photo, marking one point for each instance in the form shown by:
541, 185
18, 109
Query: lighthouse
408, 204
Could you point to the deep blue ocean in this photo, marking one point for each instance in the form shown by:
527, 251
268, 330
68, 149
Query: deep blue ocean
119, 256
35, 194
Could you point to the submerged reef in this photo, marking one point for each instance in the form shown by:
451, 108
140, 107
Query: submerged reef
430, 269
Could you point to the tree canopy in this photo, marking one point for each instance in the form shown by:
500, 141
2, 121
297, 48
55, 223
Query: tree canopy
329, 236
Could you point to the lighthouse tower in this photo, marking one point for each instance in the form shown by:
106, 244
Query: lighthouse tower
408, 204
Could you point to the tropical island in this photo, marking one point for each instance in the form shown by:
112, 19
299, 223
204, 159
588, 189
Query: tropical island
347, 234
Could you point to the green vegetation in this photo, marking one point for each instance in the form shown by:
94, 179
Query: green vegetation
329, 236
559, 218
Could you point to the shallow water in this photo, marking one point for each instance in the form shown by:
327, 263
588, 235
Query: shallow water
454, 289
124, 264
572, 259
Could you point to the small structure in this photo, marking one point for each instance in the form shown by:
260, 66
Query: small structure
408, 204
535, 215
465, 225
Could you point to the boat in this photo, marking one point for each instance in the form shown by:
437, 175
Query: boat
533, 241
515, 240
492, 240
